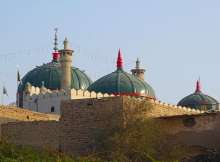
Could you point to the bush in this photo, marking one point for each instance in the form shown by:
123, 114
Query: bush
140, 139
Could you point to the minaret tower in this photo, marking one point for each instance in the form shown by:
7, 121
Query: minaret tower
137, 71
66, 62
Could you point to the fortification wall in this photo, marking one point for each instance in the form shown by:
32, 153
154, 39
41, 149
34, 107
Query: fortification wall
154, 108
87, 116
200, 132
39, 134
81, 119
46, 101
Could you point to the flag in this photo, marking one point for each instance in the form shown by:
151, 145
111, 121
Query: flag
5, 91
18, 76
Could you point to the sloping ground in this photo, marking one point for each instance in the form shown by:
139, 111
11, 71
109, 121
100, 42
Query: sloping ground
12, 114
9, 113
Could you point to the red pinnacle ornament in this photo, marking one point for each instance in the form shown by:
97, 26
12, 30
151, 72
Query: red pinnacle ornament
119, 60
56, 56
198, 86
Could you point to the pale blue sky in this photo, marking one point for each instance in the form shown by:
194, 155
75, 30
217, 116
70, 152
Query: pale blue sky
176, 41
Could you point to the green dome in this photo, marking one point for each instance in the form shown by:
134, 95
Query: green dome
122, 83
50, 75
199, 100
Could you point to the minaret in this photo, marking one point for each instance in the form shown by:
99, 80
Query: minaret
137, 71
66, 62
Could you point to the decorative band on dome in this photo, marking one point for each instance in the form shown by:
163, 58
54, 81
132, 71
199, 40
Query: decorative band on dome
133, 94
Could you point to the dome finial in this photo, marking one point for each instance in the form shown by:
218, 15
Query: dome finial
66, 43
198, 86
138, 64
55, 40
56, 54
119, 60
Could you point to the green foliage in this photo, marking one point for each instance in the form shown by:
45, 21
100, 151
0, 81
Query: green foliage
139, 140
136, 142
11, 153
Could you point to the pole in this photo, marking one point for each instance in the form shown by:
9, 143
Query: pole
2, 96
17, 96
18, 82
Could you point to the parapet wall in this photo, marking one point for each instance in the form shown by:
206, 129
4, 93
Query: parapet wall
44, 100
154, 108
20, 114
47, 101
44, 93
15, 114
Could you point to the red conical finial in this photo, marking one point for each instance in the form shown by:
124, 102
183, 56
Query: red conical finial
198, 86
119, 60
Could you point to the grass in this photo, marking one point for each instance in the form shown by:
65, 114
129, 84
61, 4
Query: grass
12, 153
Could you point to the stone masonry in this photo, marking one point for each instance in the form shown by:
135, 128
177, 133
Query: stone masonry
14, 114
40, 134
81, 119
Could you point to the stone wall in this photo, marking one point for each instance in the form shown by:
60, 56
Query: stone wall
39, 134
20, 114
194, 130
81, 119
47, 101
15, 114
152, 108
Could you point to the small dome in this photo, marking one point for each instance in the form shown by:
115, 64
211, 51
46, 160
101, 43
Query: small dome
120, 82
50, 75
199, 100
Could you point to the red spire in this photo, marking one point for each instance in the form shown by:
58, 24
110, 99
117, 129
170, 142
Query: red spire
119, 60
198, 86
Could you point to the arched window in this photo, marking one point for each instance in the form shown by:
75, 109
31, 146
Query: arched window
52, 109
